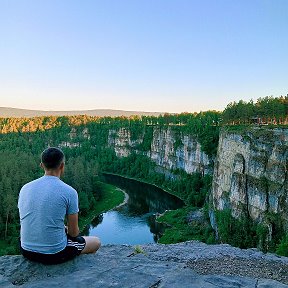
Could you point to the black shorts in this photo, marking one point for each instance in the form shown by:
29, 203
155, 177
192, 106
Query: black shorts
74, 247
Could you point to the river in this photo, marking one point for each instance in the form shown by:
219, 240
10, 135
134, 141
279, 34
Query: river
133, 223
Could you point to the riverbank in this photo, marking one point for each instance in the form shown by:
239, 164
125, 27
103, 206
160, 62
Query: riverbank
165, 189
112, 197
178, 227
181, 228
125, 201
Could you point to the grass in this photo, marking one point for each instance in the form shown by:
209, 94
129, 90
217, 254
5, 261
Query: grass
3, 245
179, 230
111, 197
139, 250
8, 248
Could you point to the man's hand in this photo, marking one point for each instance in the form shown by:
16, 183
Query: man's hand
73, 229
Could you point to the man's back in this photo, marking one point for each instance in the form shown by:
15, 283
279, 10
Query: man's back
43, 204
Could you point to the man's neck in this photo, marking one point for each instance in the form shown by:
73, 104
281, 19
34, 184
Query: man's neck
53, 173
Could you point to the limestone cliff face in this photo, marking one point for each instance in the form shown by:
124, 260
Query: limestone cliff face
179, 151
74, 137
121, 141
250, 174
169, 149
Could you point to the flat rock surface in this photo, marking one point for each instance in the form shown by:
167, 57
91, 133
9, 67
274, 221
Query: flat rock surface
188, 264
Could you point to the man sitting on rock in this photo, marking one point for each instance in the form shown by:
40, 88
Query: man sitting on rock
43, 205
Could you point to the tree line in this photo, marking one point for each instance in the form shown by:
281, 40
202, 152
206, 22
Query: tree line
267, 110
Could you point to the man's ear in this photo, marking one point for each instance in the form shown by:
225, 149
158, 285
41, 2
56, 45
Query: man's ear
61, 167
41, 165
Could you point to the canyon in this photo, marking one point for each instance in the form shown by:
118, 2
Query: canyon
250, 170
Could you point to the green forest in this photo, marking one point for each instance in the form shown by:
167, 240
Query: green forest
267, 110
84, 141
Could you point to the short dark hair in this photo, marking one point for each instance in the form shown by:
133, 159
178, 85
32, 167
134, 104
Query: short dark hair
52, 157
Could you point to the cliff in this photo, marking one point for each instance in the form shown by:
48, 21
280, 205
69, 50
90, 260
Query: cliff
251, 174
189, 264
169, 148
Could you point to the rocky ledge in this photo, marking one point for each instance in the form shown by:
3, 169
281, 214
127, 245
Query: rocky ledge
189, 264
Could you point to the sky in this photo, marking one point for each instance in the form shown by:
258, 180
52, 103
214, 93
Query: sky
144, 55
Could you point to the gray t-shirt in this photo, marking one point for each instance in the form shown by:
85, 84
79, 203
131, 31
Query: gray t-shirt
43, 204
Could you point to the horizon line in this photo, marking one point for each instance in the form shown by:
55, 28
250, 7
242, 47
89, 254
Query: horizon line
107, 109
93, 109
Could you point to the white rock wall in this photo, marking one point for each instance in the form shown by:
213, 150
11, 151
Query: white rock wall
187, 156
250, 174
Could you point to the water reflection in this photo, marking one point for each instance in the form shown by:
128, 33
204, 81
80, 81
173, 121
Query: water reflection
133, 223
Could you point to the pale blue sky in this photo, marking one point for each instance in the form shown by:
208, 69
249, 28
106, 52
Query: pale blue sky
152, 55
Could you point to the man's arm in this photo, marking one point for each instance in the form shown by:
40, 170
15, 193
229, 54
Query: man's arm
73, 229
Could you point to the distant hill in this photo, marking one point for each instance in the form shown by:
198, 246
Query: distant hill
15, 112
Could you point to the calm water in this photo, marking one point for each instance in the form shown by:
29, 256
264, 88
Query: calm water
134, 222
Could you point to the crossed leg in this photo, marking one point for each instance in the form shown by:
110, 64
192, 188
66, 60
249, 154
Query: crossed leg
92, 244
